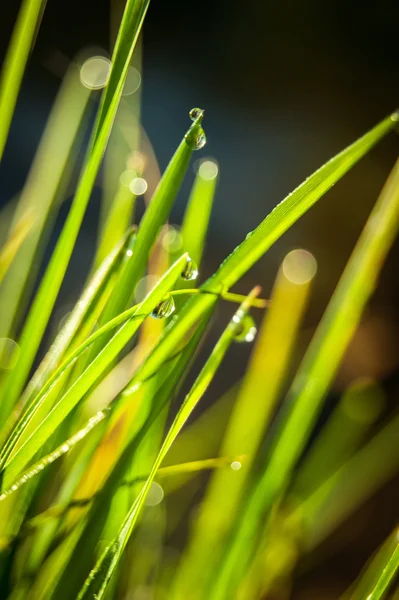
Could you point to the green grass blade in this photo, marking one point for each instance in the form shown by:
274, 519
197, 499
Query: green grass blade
387, 575
40, 198
45, 298
15, 62
316, 374
249, 420
99, 578
198, 212
285, 214
154, 217
94, 371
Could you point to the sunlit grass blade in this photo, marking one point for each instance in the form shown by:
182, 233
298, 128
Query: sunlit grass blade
314, 377
154, 217
378, 574
12, 245
99, 578
249, 420
198, 211
45, 298
348, 487
27, 24
346, 428
93, 372
40, 198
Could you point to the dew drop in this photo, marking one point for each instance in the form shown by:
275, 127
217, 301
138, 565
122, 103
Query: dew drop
196, 138
195, 113
155, 495
190, 271
246, 331
164, 309
236, 465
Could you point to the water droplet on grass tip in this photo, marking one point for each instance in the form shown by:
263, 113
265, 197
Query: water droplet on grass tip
190, 271
196, 138
195, 113
246, 331
164, 309
155, 495
236, 465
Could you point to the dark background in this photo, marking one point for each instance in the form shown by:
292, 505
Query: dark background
285, 86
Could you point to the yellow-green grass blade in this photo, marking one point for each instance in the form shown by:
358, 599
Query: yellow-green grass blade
348, 487
344, 432
198, 211
22, 40
40, 198
379, 573
93, 372
154, 217
10, 248
259, 241
314, 377
45, 298
100, 576
249, 420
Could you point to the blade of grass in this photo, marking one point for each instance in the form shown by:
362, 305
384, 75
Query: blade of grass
387, 575
74, 394
314, 377
99, 578
198, 211
22, 40
249, 420
154, 217
45, 298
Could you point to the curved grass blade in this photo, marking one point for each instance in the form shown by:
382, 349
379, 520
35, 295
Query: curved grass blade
250, 418
93, 372
154, 217
22, 40
45, 298
100, 576
314, 377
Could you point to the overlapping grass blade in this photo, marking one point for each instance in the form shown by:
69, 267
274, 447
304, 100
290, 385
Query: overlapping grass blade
93, 372
249, 420
154, 217
387, 574
314, 377
45, 298
99, 578
15, 62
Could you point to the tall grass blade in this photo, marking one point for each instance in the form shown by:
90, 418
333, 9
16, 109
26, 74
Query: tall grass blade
315, 375
15, 62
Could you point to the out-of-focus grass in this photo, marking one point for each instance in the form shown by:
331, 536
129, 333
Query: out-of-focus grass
90, 442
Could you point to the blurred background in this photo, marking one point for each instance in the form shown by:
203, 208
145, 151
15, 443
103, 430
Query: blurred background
285, 86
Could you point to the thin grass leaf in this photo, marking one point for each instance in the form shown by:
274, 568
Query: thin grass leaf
41, 196
74, 394
45, 298
386, 576
198, 211
99, 578
12, 245
250, 418
22, 40
154, 217
314, 376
